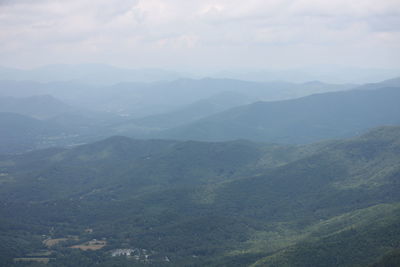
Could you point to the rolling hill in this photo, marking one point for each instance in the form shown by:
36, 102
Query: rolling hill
303, 120
145, 99
20, 133
232, 203
186, 114
38, 106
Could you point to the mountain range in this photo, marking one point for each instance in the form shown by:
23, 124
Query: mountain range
144, 99
37, 106
95, 74
302, 120
228, 115
237, 203
101, 74
214, 176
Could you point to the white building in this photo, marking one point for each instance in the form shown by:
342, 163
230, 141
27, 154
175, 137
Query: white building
122, 252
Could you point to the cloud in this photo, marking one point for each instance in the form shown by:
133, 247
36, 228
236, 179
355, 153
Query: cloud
120, 31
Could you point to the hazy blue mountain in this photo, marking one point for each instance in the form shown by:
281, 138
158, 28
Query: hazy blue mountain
68, 92
207, 204
163, 97
101, 74
116, 105
395, 82
307, 119
22, 88
328, 74
83, 121
96, 74
38, 106
186, 114
20, 133
141, 99
152, 99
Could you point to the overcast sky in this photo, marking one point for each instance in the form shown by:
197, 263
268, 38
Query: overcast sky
213, 34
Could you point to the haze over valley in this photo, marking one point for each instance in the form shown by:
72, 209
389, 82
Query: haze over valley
212, 133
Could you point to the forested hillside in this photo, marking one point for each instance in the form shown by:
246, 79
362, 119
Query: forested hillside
195, 203
303, 120
200, 133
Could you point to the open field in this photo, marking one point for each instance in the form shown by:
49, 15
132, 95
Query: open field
41, 260
43, 253
91, 245
53, 242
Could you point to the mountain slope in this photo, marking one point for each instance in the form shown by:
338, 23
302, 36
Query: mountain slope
210, 204
139, 164
303, 120
189, 113
358, 242
394, 82
38, 106
20, 133
145, 99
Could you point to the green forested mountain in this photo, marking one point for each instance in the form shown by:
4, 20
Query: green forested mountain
191, 203
302, 120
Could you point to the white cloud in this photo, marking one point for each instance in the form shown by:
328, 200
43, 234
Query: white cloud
120, 31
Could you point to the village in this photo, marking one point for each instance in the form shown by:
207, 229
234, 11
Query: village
53, 244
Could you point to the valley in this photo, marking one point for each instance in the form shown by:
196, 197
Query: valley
199, 203
164, 133
207, 110
221, 177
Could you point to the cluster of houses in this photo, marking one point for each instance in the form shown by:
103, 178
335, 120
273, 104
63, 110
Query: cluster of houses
122, 252
138, 254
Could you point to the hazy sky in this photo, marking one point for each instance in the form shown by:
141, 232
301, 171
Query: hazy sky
201, 33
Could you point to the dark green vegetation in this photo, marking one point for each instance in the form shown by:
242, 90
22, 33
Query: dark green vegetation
303, 120
391, 259
234, 203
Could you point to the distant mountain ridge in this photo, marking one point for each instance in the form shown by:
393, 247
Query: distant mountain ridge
102, 74
20, 133
215, 172
302, 120
145, 99
95, 74
328, 74
191, 112
38, 106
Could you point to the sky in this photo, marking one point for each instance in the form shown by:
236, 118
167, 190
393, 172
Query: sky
204, 34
